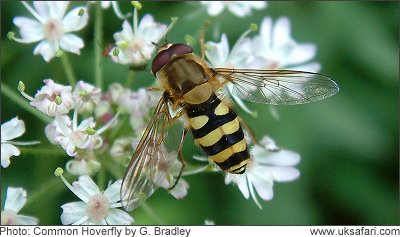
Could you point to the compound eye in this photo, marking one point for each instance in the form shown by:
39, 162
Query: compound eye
180, 49
160, 60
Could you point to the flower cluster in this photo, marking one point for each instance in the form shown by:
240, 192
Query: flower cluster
99, 129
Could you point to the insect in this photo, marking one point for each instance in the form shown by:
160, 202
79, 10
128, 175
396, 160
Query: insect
194, 89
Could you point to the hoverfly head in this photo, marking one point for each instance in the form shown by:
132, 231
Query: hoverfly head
166, 52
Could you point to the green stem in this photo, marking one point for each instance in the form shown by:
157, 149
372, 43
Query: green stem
98, 42
101, 178
152, 213
53, 151
15, 97
68, 70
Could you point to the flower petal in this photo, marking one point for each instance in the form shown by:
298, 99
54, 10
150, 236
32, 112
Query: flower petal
16, 199
12, 129
281, 32
73, 212
85, 188
276, 158
30, 30
151, 30
282, 174
27, 220
113, 191
71, 43
47, 49
263, 188
300, 53
217, 53
118, 217
50, 9
73, 21
8, 150
180, 190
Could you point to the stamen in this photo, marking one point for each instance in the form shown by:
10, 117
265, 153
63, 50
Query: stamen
23, 143
59, 173
195, 171
118, 11
101, 130
33, 12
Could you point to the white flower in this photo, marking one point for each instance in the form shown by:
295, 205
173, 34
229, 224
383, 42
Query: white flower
276, 49
86, 96
241, 56
52, 27
239, 8
84, 163
62, 131
15, 200
53, 99
10, 130
136, 45
96, 208
269, 164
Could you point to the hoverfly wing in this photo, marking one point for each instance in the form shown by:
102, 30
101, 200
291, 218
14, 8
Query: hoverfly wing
278, 87
150, 162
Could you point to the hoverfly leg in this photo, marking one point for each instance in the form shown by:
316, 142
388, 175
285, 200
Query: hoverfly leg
251, 132
180, 159
154, 89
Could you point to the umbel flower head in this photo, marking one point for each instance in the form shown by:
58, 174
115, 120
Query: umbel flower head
95, 207
15, 200
52, 27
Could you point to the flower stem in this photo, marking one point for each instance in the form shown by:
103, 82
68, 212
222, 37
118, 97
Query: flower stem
48, 151
101, 178
68, 70
98, 39
7, 91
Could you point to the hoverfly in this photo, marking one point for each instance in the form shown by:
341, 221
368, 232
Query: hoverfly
194, 89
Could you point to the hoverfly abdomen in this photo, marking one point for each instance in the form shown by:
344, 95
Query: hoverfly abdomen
216, 128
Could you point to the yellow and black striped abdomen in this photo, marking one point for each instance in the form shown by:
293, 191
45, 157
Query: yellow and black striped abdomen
216, 128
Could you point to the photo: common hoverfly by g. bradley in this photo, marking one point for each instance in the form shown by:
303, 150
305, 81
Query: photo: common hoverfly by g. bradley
193, 90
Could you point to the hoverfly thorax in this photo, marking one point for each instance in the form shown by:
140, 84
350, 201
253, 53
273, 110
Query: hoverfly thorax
178, 69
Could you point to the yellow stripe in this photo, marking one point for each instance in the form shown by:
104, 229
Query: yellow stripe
225, 154
198, 122
245, 162
216, 134
221, 109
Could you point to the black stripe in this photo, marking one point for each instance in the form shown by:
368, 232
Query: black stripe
234, 159
203, 108
226, 141
214, 121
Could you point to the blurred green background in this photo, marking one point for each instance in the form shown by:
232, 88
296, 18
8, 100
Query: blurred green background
348, 143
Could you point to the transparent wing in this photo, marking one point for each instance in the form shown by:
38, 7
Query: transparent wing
278, 87
150, 162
